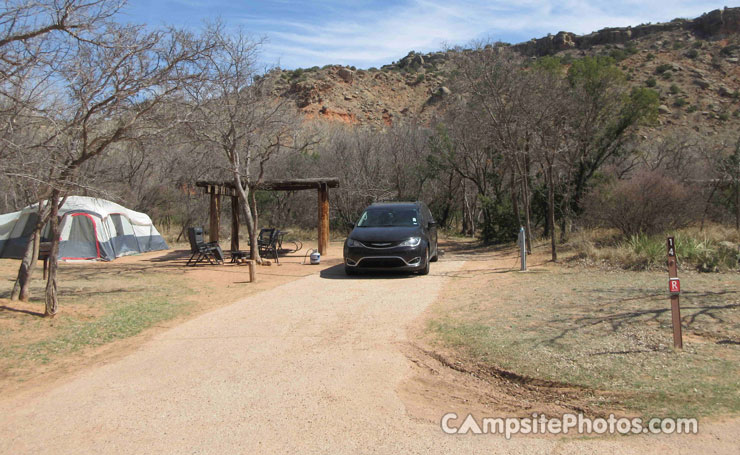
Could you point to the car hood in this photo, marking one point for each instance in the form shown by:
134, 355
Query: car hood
385, 234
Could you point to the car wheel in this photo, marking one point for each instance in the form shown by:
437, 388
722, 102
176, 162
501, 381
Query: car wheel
425, 270
435, 258
349, 271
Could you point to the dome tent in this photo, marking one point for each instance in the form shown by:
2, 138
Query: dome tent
90, 229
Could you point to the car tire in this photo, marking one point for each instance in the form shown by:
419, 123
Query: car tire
349, 271
425, 270
435, 258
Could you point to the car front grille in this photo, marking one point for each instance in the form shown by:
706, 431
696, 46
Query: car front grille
380, 244
382, 262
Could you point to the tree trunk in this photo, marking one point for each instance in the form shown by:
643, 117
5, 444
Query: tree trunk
52, 304
465, 210
737, 204
526, 203
22, 286
515, 201
254, 252
706, 207
551, 212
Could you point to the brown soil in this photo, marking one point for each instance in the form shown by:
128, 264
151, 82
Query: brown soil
211, 286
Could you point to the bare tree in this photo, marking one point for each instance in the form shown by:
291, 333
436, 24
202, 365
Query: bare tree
231, 110
101, 95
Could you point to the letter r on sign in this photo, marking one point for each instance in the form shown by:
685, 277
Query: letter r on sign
674, 285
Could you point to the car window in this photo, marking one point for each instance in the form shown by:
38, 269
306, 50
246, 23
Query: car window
378, 217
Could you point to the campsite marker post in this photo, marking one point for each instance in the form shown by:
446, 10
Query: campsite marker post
674, 287
523, 249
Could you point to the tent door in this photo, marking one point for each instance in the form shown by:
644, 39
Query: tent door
82, 239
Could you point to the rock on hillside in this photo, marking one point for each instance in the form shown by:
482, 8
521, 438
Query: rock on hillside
692, 64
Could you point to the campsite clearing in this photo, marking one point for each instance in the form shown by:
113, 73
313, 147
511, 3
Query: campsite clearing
591, 339
320, 364
108, 308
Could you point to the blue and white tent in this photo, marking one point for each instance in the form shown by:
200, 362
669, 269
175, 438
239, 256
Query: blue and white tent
91, 229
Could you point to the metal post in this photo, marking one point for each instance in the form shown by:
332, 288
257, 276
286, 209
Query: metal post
523, 248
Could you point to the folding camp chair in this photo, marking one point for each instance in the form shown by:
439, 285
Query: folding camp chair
267, 241
201, 250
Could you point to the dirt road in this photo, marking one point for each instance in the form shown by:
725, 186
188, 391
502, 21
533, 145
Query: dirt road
312, 366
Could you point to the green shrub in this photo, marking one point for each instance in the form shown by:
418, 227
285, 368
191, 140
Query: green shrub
698, 44
724, 116
692, 53
651, 82
680, 102
663, 68
694, 250
650, 56
618, 55
692, 108
674, 89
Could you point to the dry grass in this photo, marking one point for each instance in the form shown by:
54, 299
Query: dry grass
714, 249
104, 305
607, 331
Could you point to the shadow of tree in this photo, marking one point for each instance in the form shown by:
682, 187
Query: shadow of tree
18, 310
618, 320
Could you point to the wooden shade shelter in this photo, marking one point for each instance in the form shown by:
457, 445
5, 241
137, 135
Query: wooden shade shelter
218, 189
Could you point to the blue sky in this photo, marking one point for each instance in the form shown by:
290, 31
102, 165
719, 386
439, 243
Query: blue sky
372, 33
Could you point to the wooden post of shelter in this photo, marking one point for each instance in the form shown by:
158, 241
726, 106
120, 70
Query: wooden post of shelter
215, 215
226, 188
323, 213
235, 223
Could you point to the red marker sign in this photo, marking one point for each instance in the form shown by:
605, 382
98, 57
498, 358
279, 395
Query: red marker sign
674, 285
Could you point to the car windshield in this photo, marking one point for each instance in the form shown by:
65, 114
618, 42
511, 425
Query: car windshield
379, 217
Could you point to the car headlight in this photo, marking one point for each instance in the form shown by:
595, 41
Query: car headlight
413, 241
352, 243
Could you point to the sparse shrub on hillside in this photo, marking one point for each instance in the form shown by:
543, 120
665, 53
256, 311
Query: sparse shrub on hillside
723, 116
698, 44
650, 57
651, 82
692, 53
663, 68
649, 203
680, 102
728, 50
618, 55
674, 89
678, 45
667, 76
692, 108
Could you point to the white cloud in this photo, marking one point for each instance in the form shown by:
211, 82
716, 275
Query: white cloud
374, 37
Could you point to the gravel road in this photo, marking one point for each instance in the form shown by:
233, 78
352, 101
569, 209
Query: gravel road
312, 366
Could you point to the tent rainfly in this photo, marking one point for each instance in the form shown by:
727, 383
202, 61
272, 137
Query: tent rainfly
91, 229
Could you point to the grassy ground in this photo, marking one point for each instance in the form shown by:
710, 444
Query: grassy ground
99, 303
104, 305
608, 331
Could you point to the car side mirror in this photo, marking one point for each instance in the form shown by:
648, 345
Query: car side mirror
349, 225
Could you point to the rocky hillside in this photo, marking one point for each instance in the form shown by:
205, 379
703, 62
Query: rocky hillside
693, 64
